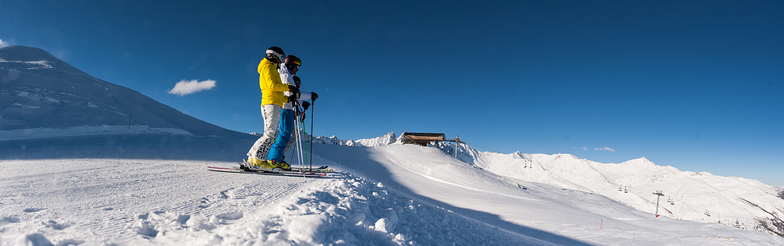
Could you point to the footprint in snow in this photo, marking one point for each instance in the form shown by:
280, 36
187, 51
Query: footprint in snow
32, 210
231, 216
54, 225
9, 219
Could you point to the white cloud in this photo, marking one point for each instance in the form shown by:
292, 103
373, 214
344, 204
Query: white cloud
3, 43
605, 149
185, 87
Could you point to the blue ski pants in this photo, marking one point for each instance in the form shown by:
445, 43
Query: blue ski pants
278, 149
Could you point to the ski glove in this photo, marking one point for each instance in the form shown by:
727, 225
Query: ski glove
293, 89
313, 96
305, 105
294, 94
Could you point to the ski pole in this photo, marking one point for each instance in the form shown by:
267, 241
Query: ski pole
296, 136
299, 145
304, 145
295, 106
296, 141
312, 105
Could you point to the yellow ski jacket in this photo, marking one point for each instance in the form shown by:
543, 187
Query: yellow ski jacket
271, 87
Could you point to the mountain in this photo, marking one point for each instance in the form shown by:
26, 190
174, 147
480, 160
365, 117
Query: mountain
50, 109
697, 196
42, 96
386, 139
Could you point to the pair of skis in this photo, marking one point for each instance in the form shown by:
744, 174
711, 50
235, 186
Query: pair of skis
299, 172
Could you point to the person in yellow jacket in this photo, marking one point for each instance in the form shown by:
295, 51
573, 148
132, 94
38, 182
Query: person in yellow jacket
272, 99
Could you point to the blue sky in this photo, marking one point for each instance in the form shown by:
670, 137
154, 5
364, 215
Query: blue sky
692, 84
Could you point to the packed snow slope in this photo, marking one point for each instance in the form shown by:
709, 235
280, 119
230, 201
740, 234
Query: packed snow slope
42, 97
385, 195
158, 202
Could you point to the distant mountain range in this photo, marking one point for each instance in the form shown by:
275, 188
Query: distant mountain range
386, 139
42, 96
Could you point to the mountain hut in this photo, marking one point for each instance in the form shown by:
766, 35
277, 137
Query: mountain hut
422, 139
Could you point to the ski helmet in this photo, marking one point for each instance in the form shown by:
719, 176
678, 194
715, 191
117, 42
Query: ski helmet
276, 52
297, 81
293, 60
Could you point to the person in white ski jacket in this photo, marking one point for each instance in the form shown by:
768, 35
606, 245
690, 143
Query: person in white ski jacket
302, 102
287, 116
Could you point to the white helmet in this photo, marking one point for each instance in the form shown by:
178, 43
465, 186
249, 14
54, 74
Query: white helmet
276, 52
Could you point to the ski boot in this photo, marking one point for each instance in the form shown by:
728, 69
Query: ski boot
256, 164
280, 165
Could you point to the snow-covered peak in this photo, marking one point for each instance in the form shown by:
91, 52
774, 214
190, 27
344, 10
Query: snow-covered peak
386, 139
638, 164
24, 53
30, 58
383, 140
520, 155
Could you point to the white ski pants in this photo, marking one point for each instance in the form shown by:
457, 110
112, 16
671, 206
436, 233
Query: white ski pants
271, 115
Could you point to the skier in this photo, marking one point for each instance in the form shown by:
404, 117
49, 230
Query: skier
287, 116
305, 106
272, 100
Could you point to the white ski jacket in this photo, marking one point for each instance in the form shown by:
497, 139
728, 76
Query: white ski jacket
287, 78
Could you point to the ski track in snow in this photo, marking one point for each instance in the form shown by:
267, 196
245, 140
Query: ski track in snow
128, 200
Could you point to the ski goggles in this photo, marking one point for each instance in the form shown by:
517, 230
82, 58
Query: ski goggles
293, 60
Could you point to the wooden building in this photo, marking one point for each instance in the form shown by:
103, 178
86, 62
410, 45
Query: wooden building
422, 139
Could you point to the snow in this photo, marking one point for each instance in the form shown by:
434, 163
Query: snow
386, 195
692, 196
43, 64
138, 202
128, 201
386, 139
34, 133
